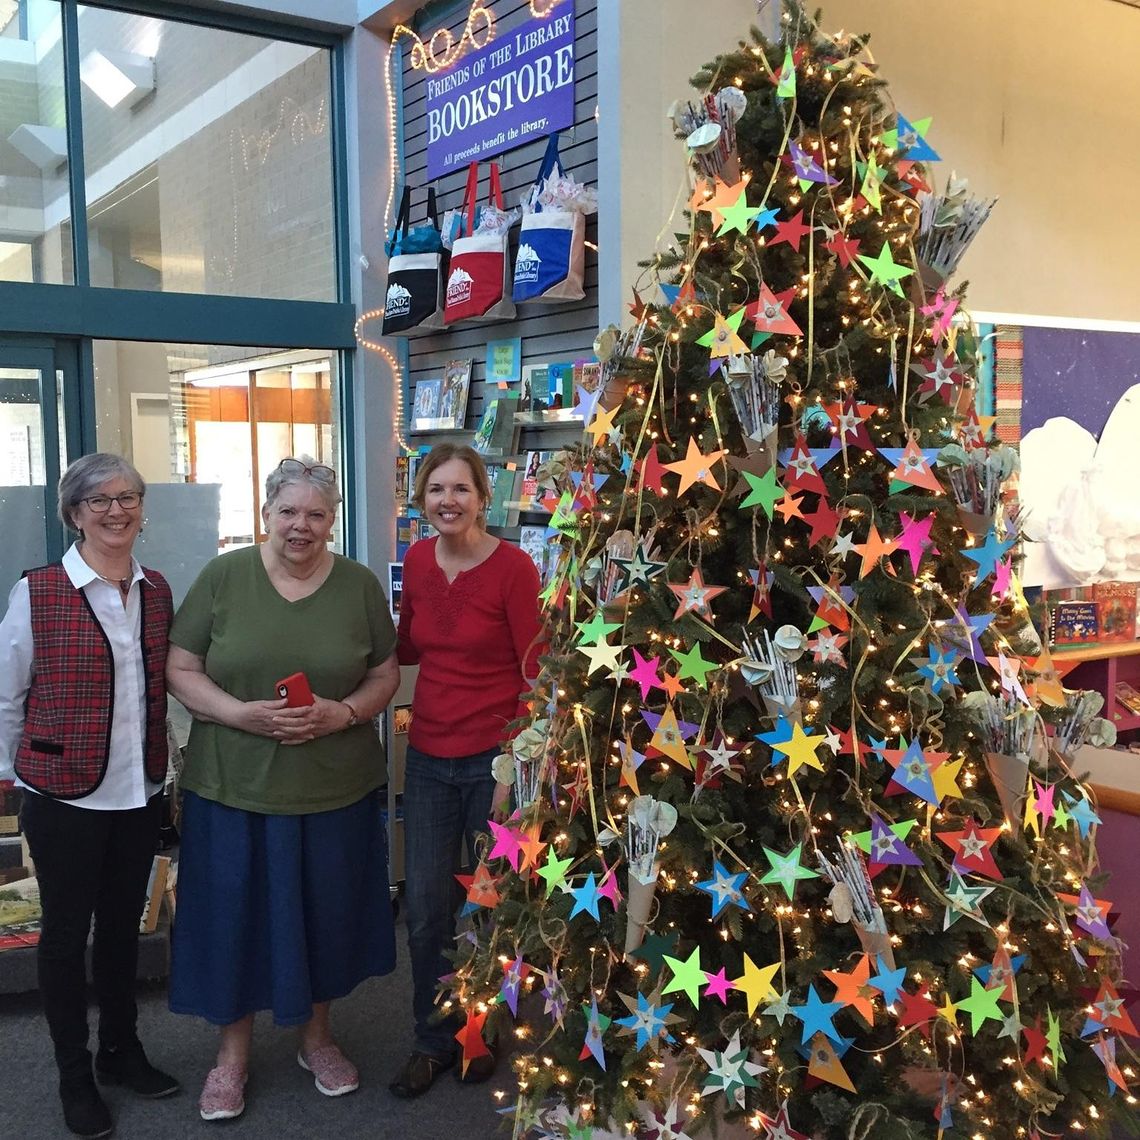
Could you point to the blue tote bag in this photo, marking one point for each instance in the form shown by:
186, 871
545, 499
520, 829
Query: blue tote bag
551, 259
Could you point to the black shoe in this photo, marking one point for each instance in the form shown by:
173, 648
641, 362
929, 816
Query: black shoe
419, 1074
84, 1112
479, 1069
130, 1067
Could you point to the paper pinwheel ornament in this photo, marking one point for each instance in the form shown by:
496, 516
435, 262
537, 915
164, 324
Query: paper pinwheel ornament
730, 1071
513, 975
769, 313
648, 1021
663, 1124
723, 339
909, 139
807, 169
913, 467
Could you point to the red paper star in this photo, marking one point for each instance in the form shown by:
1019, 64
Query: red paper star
850, 420
972, 847
792, 231
843, 247
637, 308
824, 521
651, 469
470, 1038
917, 1009
1035, 1042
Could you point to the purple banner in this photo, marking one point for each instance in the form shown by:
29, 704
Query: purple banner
516, 89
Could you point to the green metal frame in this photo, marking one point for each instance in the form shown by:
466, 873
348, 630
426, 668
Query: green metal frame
71, 317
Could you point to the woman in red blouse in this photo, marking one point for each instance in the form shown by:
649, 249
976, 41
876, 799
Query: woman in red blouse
469, 618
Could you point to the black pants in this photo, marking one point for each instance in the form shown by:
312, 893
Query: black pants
89, 862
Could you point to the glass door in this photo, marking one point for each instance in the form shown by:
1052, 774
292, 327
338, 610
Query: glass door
32, 452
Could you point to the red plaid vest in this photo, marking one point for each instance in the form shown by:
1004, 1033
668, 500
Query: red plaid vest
65, 746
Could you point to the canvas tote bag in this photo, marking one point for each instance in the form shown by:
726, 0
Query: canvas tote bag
478, 283
414, 297
551, 259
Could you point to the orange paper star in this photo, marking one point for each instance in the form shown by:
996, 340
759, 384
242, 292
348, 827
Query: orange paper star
694, 596
873, 549
695, 467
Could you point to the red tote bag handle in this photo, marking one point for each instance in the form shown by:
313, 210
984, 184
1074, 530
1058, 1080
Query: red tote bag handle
471, 194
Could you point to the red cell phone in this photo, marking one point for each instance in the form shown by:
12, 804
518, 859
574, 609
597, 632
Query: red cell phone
295, 689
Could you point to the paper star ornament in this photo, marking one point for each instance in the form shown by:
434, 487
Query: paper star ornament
756, 983
786, 870
792, 230
696, 467
724, 889
824, 1064
885, 271
648, 1021
470, 1038
769, 313
723, 339
693, 596
596, 1025
730, 1071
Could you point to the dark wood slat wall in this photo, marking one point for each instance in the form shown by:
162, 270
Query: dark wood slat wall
549, 332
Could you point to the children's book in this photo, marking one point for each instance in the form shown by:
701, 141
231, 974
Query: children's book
501, 511
561, 378
1073, 623
453, 395
425, 406
1127, 696
533, 541
486, 428
535, 395
1116, 611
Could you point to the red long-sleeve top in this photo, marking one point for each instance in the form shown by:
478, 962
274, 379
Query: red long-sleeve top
476, 643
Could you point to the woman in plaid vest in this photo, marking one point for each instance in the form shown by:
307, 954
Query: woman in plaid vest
82, 730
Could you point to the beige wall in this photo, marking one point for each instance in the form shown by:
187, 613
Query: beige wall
1029, 97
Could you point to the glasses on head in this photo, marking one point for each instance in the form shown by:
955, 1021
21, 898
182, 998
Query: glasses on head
101, 504
316, 470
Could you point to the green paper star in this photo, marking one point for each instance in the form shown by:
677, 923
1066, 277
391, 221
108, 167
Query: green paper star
765, 491
553, 871
786, 87
982, 1005
688, 977
1053, 1037
786, 869
596, 629
738, 216
965, 900
781, 1007
694, 665
653, 950
1061, 817
885, 270
733, 323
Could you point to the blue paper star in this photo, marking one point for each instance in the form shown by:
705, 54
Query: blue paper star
1082, 811
586, 403
766, 218
816, 1016
913, 773
724, 889
596, 1026
982, 973
597, 480
988, 555
914, 145
939, 670
586, 898
781, 734
648, 1021
888, 982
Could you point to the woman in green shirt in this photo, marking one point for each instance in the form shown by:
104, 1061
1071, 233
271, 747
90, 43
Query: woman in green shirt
283, 878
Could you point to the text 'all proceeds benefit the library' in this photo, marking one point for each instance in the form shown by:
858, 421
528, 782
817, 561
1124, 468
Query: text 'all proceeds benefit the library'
517, 88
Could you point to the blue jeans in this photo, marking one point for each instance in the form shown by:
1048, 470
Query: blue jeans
446, 804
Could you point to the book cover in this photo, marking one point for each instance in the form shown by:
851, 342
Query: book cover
533, 542
395, 587
20, 915
405, 535
501, 511
1073, 623
426, 404
486, 428
561, 383
453, 394
529, 492
535, 394
1116, 611
402, 481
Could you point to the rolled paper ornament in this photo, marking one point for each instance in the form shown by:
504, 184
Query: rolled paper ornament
1010, 776
503, 768
648, 821
639, 898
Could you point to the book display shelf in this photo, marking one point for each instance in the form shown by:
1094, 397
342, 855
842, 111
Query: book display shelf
1112, 670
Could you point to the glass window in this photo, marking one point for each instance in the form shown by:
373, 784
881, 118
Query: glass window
35, 210
208, 159
205, 424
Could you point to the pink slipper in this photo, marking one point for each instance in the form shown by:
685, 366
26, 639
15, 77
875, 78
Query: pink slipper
334, 1074
223, 1094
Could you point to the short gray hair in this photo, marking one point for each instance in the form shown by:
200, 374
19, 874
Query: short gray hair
277, 479
86, 475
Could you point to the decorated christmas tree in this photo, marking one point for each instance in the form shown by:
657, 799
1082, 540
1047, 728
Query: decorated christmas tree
796, 836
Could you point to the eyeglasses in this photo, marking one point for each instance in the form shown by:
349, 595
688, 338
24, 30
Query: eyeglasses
101, 504
318, 470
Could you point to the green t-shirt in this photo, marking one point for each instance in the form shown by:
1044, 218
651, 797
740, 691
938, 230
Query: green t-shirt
250, 638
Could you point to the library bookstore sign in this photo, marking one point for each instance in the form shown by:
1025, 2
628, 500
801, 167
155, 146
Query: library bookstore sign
514, 90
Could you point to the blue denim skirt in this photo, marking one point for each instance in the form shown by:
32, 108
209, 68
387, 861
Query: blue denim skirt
278, 912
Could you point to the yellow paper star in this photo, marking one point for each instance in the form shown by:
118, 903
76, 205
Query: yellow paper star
668, 741
948, 1011
800, 749
756, 983
723, 339
694, 468
603, 423
945, 779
